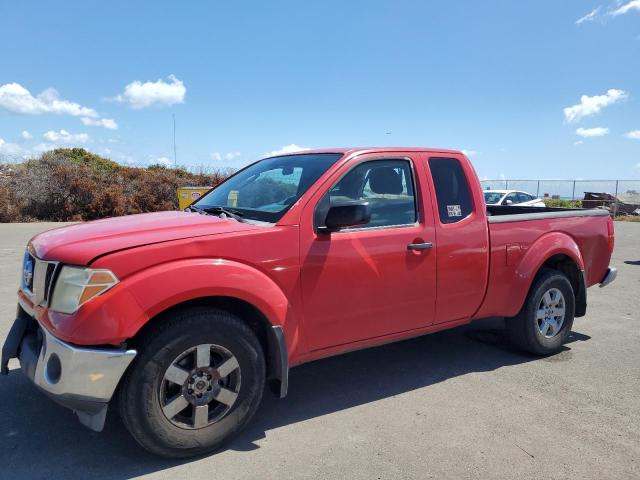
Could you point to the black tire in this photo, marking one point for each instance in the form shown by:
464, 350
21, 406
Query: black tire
140, 394
524, 331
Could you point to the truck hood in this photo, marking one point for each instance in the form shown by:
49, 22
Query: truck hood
79, 244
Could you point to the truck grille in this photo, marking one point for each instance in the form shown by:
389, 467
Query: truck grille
37, 278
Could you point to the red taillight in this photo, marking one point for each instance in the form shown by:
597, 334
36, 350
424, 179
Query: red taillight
611, 233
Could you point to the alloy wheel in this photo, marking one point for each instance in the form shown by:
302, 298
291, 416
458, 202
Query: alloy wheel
551, 312
200, 386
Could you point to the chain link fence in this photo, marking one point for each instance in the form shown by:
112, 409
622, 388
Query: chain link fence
619, 196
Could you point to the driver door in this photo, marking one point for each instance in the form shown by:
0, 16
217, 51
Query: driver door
366, 282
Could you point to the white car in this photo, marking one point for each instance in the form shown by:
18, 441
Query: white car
511, 197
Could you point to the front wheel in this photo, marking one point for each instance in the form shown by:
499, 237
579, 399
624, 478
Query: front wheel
197, 380
545, 321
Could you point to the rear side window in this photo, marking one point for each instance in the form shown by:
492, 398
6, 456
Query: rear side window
452, 189
524, 197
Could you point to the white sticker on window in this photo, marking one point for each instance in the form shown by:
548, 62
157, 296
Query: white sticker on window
454, 210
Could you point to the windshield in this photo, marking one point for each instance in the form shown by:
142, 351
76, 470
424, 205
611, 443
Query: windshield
266, 190
491, 198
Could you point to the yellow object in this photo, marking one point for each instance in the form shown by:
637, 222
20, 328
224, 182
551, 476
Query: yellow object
188, 195
232, 199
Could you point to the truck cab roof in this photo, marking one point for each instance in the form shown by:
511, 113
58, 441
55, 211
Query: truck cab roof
362, 150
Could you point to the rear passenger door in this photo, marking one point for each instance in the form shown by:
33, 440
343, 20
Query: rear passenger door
462, 237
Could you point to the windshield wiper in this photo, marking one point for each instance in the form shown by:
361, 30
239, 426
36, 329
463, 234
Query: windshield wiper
223, 212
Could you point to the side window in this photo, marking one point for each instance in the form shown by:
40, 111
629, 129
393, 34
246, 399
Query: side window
452, 189
512, 197
386, 184
523, 197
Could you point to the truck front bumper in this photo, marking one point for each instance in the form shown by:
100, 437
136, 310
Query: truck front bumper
79, 378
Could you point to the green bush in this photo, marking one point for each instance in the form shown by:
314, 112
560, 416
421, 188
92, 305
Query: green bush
82, 157
559, 203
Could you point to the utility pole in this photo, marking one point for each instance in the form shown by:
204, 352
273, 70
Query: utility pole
175, 157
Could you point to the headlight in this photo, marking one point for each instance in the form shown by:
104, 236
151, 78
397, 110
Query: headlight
77, 285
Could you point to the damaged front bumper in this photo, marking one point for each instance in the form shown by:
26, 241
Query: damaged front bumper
82, 379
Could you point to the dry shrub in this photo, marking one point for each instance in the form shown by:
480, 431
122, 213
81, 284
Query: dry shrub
109, 202
70, 184
8, 207
628, 218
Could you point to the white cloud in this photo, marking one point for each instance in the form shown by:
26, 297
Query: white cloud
44, 147
470, 153
626, 8
164, 161
125, 159
141, 95
591, 105
64, 137
592, 132
26, 135
292, 148
100, 122
634, 134
10, 149
589, 17
229, 156
579, 142
17, 99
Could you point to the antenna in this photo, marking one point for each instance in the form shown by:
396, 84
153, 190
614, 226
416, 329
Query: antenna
175, 157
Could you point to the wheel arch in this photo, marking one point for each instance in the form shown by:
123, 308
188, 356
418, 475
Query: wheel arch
556, 251
236, 287
271, 337
566, 265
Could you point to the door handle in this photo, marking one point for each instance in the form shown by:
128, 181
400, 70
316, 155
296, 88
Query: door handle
420, 246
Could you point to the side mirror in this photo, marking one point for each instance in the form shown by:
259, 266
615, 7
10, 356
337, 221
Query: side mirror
508, 202
346, 215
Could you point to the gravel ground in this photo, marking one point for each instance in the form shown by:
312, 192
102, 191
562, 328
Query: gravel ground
456, 404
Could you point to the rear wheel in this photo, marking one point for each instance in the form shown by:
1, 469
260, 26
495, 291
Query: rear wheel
545, 321
197, 380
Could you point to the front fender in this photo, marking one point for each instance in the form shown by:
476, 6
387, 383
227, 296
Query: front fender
149, 292
545, 247
161, 287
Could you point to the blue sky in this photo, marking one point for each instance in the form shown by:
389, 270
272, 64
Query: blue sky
496, 78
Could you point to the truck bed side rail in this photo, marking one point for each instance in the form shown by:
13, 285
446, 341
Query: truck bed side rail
504, 214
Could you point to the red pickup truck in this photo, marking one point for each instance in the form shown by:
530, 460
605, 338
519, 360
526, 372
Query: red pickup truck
183, 317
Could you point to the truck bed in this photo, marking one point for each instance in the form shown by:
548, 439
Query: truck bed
520, 237
515, 213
